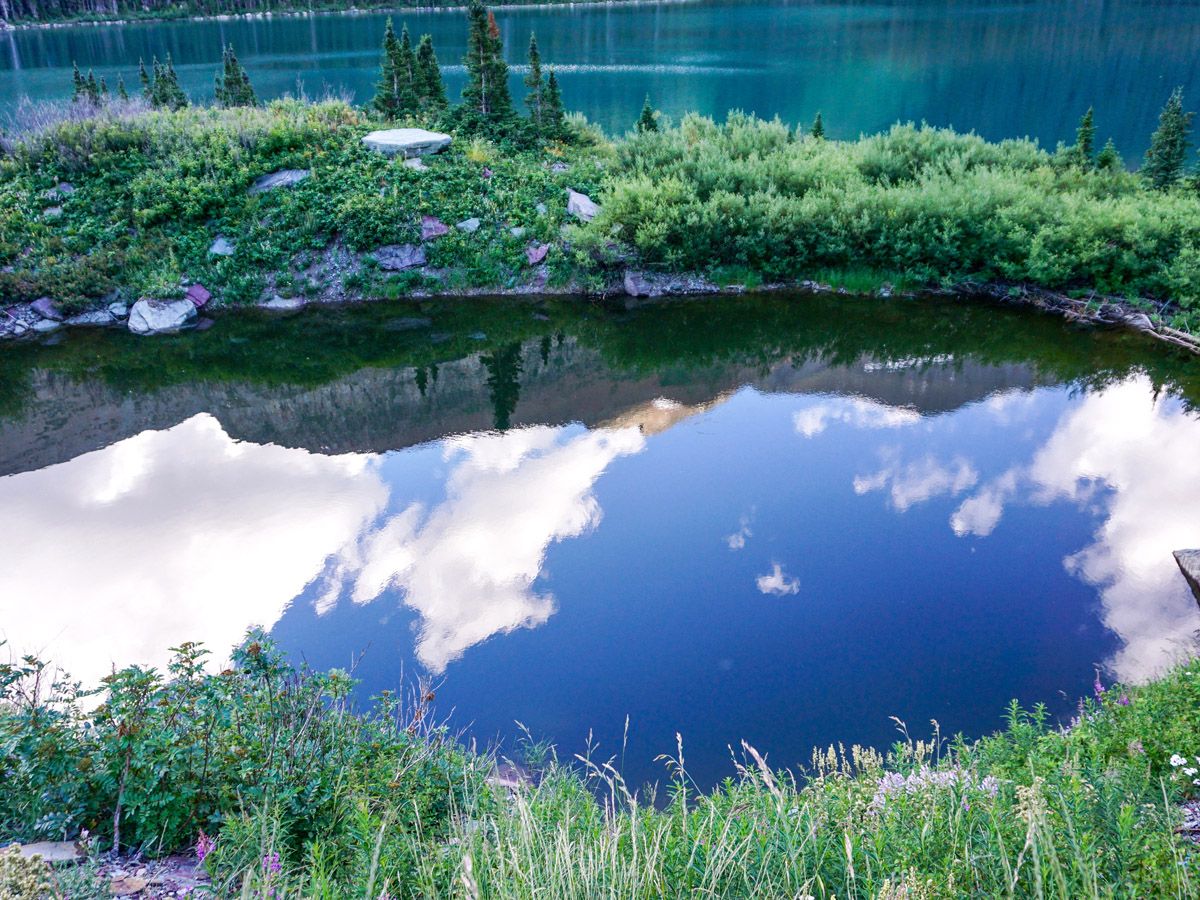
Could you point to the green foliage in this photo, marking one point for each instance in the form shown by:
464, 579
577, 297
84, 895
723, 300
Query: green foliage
648, 120
233, 86
818, 127
536, 98
486, 98
161, 89
1168, 145
431, 92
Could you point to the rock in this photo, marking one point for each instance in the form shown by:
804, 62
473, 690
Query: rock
470, 225
222, 246
517, 231
52, 212
416, 164
559, 167
1189, 565
535, 253
408, 323
52, 851
542, 209
199, 295
432, 227
636, 284
43, 326
60, 191
283, 304
581, 206
118, 309
160, 316
282, 178
395, 257
1140, 321
127, 886
47, 309
406, 141
885, 290
95, 317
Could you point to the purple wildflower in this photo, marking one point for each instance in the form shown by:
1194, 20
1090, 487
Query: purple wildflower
271, 864
204, 846
1097, 686
1124, 700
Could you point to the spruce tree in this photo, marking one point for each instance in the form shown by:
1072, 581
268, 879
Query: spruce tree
80, 87
406, 75
486, 92
648, 120
385, 101
536, 97
431, 92
1085, 139
1109, 159
553, 124
233, 86
121, 91
818, 127
173, 95
144, 78
103, 88
1168, 145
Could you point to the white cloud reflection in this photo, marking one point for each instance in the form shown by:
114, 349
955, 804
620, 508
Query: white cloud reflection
911, 483
855, 411
776, 583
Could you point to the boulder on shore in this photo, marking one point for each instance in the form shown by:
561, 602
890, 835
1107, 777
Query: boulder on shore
1189, 565
282, 178
536, 252
283, 304
47, 309
581, 206
406, 141
95, 317
160, 316
636, 284
395, 257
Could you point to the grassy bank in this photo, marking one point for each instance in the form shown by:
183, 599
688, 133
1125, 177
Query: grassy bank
296, 795
747, 201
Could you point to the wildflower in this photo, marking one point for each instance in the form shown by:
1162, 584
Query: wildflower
204, 846
1177, 760
1124, 701
966, 804
1135, 747
271, 864
1097, 686
1189, 771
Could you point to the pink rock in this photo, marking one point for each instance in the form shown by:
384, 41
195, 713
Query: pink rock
535, 253
432, 227
199, 295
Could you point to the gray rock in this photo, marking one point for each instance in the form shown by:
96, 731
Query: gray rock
118, 309
406, 141
1140, 321
47, 309
1189, 565
283, 304
415, 164
52, 851
282, 178
468, 225
395, 257
222, 246
542, 209
160, 316
95, 317
517, 231
432, 227
52, 212
535, 253
559, 167
581, 206
44, 325
60, 191
636, 284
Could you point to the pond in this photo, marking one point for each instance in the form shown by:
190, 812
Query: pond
783, 519
1001, 69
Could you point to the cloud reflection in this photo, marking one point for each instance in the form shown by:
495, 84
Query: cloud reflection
776, 583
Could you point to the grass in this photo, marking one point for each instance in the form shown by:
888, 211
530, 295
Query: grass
308, 799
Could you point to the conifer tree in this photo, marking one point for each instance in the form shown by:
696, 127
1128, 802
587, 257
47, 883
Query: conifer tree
233, 86
406, 75
553, 124
385, 101
1168, 145
121, 91
1109, 160
92, 87
431, 92
486, 92
1085, 139
144, 78
103, 88
648, 120
80, 87
818, 127
536, 97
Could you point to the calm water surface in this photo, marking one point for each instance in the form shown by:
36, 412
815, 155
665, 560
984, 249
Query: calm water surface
1004, 69
778, 519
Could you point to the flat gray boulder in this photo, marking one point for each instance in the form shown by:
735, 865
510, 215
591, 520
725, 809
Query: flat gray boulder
636, 285
283, 304
160, 316
395, 257
470, 225
406, 141
1189, 564
222, 246
581, 206
47, 309
282, 178
95, 317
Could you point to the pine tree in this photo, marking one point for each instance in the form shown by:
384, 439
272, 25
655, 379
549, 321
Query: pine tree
1169, 143
173, 95
536, 97
552, 114
103, 88
431, 92
385, 101
233, 86
80, 86
92, 88
144, 78
1085, 139
648, 120
818, 127
486, 92
406, 75
1109, 159
121, 91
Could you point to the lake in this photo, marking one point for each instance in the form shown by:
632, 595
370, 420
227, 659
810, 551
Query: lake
783, 519
1003, 69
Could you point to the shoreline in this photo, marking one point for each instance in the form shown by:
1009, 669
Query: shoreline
268, 15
